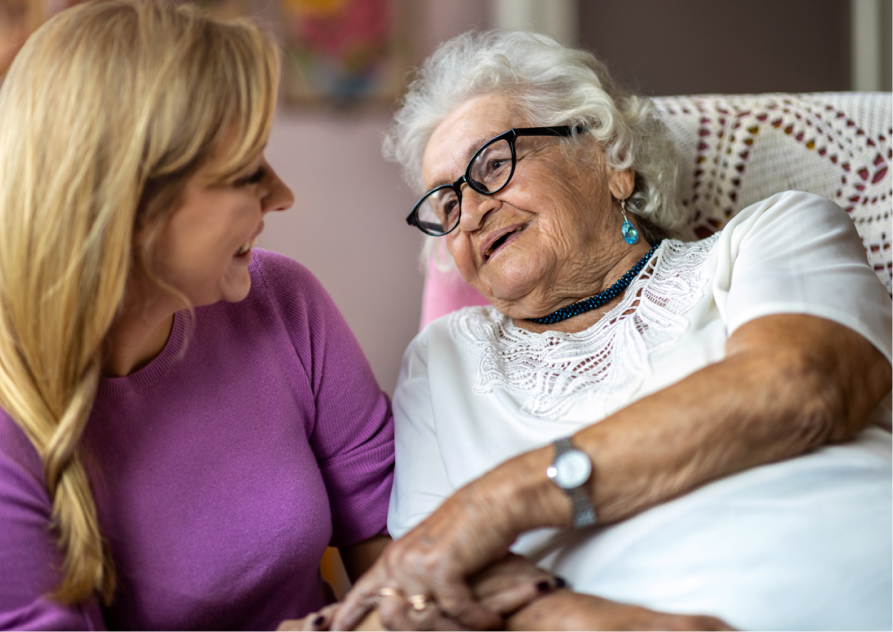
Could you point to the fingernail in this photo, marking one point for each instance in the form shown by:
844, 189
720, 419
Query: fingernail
319, 620
543, 586
560, 582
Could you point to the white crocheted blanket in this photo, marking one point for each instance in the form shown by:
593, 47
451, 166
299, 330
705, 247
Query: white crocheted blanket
737, 150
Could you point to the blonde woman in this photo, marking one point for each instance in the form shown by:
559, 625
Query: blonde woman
186, 422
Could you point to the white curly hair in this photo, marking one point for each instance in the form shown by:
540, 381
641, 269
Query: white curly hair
553, 85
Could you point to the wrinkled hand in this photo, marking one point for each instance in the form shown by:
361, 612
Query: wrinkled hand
466, 534
566, 610
502, 588
510, 584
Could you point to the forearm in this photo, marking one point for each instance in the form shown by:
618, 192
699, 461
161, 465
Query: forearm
566, 610
357, 558
787, 385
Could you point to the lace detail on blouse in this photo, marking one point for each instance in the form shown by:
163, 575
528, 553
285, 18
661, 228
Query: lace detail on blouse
549, 370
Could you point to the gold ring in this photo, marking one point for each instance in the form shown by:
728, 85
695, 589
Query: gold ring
419, 602
386, 592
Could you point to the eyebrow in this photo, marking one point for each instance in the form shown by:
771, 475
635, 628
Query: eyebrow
470, 147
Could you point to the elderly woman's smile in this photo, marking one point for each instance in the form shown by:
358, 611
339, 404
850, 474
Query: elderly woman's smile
499, 239
541, 242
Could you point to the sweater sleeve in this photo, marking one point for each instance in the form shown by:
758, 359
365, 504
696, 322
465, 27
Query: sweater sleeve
352, 431
29, 559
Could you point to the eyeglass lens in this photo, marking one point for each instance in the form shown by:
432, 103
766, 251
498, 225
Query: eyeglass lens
489, 171
491, 167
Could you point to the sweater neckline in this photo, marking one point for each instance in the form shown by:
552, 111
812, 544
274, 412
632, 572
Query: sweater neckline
172, 352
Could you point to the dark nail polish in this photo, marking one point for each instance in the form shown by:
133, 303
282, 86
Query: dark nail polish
560, 582
319, 620
543, 586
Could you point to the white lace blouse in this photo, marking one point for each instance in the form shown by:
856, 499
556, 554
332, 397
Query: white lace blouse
804, 543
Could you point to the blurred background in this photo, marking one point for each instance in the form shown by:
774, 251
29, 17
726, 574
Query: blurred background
346, 61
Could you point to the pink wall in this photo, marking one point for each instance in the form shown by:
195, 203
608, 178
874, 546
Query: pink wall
347, 225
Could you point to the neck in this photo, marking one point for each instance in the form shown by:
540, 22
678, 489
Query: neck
631, 259
139, 332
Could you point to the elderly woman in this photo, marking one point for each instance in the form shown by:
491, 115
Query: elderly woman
628, 412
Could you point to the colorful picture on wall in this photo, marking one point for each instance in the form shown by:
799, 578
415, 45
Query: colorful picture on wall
343, 51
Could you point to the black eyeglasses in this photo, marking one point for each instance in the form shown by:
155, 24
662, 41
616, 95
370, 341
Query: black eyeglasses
489, 171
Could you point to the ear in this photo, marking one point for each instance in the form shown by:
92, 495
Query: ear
621, 183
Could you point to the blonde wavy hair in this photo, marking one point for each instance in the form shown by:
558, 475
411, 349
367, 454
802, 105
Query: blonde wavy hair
106, 113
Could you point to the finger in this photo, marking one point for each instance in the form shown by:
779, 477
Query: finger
362, 598
371, 622
321, 620
688, 623
514, 598
433, 619
394, 613
449, 624
455, 600
424, 614
313, 621
505, 574
710, 623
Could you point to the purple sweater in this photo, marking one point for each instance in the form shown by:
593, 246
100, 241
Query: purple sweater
222, 470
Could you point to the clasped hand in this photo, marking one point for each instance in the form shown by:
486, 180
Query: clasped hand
456, 568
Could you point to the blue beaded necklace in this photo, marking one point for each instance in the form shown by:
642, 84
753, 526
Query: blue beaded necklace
594, 302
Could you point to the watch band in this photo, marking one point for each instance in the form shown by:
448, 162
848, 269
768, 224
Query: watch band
562, 445
584, 511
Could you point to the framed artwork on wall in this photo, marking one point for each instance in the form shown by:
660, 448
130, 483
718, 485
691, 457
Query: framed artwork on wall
344, 51
334, 52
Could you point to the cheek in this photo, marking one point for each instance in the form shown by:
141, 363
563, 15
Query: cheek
460, 249
570, 219
192, 261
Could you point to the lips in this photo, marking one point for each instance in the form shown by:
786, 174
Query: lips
248, 245
498, 239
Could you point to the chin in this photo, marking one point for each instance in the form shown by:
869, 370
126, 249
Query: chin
235, 285
511, 286
235, 290
234, 295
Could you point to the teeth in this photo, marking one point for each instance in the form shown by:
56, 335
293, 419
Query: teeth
246, 247
496, 244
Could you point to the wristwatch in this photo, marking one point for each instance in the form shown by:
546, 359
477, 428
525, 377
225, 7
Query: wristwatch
570, 471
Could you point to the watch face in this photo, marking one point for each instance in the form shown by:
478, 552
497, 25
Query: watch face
572, 469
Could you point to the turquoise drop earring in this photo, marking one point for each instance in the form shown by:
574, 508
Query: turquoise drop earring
630, 234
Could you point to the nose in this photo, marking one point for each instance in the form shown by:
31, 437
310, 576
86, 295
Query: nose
278, 197
475, 208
